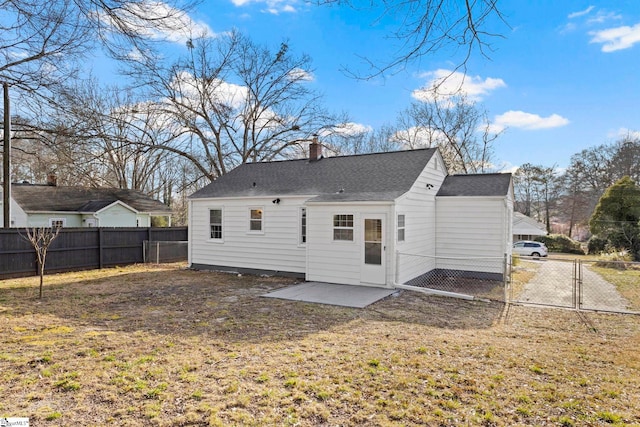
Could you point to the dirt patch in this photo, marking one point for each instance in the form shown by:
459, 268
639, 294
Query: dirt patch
168, 346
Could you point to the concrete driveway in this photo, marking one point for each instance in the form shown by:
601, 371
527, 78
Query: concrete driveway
554, 285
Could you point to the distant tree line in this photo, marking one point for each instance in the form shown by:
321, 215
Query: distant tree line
566, 201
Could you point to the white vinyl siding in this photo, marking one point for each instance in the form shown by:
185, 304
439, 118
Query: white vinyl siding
276, 248
334, 261
417, 252
473, 233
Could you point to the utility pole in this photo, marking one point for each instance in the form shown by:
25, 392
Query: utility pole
6, 161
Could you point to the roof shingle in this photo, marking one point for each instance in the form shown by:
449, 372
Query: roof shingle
47, 198
378, 176
490, 184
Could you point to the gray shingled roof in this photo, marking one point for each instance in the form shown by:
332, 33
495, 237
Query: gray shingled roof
35, 198
491, 184
375, 177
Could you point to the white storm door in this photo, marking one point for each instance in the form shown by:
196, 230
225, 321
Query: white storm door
373, 260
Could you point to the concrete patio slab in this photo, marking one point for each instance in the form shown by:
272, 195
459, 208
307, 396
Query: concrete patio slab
332, 294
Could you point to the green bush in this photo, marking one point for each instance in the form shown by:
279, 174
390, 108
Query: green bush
561, 243
597, 245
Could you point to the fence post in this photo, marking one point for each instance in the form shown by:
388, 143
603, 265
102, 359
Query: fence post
100, 255
158, 252
579, 285
506, 276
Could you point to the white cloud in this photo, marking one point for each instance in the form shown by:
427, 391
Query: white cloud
298, 74
274, 7
346, 129
581, 12
444, 84
161, 22
526, 121
604, 16
618, 38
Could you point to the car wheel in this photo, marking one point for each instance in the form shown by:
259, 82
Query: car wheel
535, 254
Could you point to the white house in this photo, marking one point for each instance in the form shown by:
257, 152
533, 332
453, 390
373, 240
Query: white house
38, 205
349, 219
527, 228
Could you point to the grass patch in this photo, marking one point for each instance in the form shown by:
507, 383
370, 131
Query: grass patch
160, 345
627, 282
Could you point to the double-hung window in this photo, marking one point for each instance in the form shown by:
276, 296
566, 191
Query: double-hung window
343, 227
215, 222
401, 227
303, 226
255, 219
57, 222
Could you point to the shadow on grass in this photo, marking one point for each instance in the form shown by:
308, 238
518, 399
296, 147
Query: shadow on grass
224, 306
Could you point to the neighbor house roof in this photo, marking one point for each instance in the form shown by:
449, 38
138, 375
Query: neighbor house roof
50, 198
487, 185
525, 225
364, 177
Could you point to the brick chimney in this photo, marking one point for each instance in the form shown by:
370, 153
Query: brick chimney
52, 180
315, 150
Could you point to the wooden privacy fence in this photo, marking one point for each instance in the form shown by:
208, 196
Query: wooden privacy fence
80, 248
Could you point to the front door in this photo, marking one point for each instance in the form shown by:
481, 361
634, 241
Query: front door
373, 259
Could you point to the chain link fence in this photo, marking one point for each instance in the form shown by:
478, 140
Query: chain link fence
611, 286
469, 277
573, 283
165, 251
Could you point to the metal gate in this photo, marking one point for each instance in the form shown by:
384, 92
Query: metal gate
566, 283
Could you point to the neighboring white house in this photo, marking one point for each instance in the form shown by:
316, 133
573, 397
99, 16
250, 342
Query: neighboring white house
349, 219
50, 205
526, 228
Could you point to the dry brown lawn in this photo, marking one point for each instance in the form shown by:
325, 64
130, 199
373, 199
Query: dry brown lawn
162, 345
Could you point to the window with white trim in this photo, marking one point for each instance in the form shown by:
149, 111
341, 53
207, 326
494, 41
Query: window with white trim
303, 226
215, 223
401, 227
57, 222
256, 216
343, 227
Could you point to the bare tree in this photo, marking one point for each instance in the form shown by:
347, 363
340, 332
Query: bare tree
423, 27
456, 125
41, 239
231, 101
537, 189
350, 138
40, 41
574, 204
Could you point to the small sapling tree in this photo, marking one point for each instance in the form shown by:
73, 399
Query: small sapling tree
41, 238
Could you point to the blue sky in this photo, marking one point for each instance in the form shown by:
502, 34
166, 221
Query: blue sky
565, 76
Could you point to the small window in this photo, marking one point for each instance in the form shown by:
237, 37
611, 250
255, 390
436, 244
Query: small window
400, 228
303, 226
343, 227
255, 220
57, 222
215, 221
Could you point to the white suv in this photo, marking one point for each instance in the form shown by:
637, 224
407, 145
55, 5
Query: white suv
530, 248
